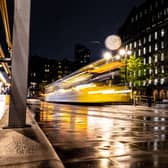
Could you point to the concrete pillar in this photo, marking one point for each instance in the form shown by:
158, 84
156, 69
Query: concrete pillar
17, 110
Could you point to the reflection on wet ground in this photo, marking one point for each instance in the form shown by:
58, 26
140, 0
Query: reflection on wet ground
107, 136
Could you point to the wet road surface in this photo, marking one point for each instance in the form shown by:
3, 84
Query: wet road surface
111, 136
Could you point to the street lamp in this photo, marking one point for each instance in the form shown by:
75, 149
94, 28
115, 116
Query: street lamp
107, 55
125, 53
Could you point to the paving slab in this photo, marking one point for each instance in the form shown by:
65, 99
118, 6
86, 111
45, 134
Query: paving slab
26, 147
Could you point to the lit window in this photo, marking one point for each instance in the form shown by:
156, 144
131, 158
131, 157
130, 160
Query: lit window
162, 56
139, 43
134, 53
156, 70
130, 46
135, 44
156, 58
132, 20
139, 52
162, 81
47, 70
162, 32
144, 83
144, 40
144, 61
149, 38
144, 71
139, 73
144, 50
162, 69
155, 81
150, 49
150, 60
156, 35
162, 44
156, 47
136, 17
150, 71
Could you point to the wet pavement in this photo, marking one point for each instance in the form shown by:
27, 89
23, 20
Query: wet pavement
111, 136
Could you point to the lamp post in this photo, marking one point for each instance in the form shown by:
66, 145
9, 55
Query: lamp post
107, 55
125, 53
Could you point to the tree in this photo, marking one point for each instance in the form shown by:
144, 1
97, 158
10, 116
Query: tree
133, 72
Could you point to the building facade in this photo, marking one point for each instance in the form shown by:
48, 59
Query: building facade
82, 56
43, 71
145, 33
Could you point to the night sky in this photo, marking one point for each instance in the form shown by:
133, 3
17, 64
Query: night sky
56, 25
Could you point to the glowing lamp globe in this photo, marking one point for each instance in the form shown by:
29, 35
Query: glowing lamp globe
113, 42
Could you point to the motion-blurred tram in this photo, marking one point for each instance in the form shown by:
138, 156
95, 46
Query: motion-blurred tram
98, 82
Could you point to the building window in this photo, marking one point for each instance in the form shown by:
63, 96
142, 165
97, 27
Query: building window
155, 81
132, 20
149, 38
139, 73
150, 49
144, 61
139, 43
162, 56
156, 46
162, 81
135, 44
47, 70
144, 50
150, 71
144, 40
162, 32
150, 60
162, 44
136, 17
156, 71
156, 35
156, 58
165, 12
162, 69
139, 52
130, 46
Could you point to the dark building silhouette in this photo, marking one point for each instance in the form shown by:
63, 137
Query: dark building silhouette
82, 56
145, 33
43, 71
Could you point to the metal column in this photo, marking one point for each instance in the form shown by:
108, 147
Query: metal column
17, 111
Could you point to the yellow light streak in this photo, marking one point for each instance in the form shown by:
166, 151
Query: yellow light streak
2, 78
107, 67
111, 91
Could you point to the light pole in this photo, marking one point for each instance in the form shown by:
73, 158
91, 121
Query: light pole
107, 55
125, 53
